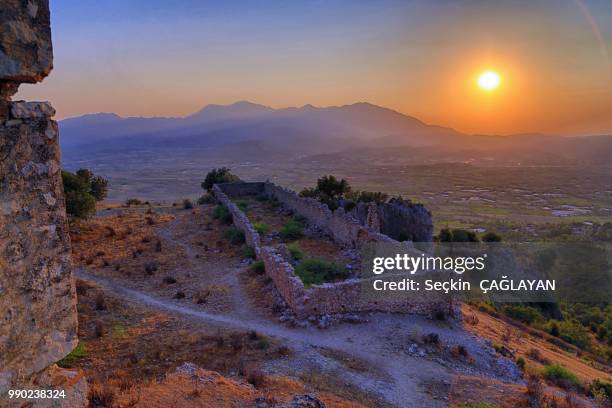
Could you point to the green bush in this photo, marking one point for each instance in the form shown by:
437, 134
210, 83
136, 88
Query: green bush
258, 267
574, 333
79, 352
601, 388
317, 271
292, 230
81, 190
133, 201
223, 214
217, 176
261, 228
560, 376
187, 204
296, 253
248, 252
80, 204
521, 363
234, 235
522, 313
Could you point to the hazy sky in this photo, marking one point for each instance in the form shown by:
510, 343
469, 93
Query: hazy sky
422, 58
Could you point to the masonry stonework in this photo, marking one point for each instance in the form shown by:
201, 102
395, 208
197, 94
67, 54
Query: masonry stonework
329, 298
38, 317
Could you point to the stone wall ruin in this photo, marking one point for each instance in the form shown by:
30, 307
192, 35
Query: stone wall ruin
344, 229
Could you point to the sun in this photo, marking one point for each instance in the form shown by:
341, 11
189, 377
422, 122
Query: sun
489, 80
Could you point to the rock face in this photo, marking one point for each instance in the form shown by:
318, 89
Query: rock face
38, 319
26, 54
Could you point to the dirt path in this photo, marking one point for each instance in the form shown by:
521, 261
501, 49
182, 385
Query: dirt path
405, 373
386, 370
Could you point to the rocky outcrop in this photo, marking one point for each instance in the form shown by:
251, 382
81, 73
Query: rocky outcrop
26, 54
38, 318
37, 297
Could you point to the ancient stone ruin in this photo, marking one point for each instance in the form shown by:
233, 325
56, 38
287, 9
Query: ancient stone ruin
346, 230
38, 319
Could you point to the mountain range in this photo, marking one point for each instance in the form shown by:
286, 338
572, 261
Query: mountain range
247, 130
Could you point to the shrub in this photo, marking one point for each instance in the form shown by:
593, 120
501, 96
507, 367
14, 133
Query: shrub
248, 252
258, 267
169, 280
206, 199
255, 377
432, 338
223, 214
575, 334
132, 201
263, 344
187, 204
332, 187
601, 389
99, 329
234, 235
80, 204
317, 271
100, 301
521, 363
536, 355
101, 397
292, 230
79, 352
261, 228
491, 237
150, 267
217, 176
81, 190
366, 196
525, 314
296, 253
560, 376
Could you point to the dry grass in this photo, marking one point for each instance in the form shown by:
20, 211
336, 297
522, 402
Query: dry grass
536, 350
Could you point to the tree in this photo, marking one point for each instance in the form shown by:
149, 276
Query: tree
99, 188
82, 189
216, 176
332, 187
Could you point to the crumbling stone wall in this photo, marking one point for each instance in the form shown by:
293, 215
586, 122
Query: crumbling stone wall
399, 219
240, 219
38, 318
328, 298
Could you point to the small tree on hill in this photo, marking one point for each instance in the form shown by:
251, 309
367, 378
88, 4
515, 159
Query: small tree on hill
82, 189
216, 176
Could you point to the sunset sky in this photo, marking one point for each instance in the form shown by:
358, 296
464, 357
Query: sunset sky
422, 58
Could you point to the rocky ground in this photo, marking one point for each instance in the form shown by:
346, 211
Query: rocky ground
217, 314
